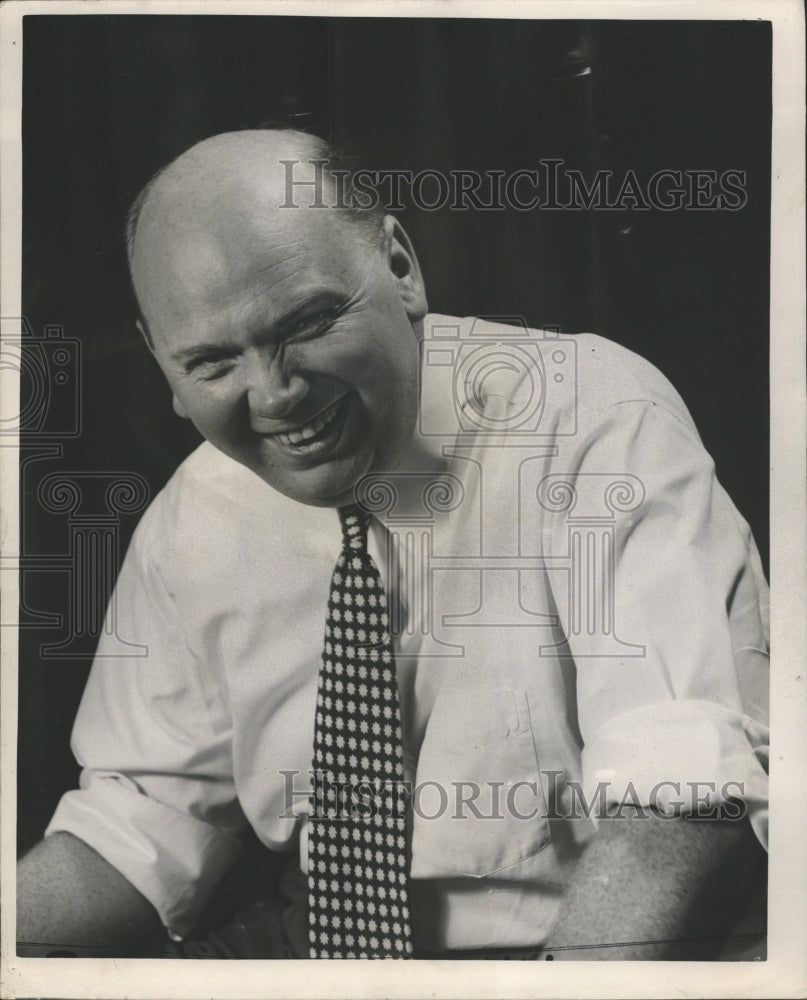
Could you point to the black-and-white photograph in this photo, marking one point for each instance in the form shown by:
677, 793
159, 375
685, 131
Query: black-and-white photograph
393, 450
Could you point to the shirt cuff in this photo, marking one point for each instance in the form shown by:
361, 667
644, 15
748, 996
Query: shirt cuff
681, 758
172, 858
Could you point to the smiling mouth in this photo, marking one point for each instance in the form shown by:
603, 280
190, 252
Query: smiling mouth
317, 432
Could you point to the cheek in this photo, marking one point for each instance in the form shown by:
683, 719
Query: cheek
214, 412
392, 393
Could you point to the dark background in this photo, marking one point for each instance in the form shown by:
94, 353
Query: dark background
109, 99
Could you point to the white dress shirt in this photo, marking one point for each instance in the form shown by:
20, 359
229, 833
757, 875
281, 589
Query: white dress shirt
581, 620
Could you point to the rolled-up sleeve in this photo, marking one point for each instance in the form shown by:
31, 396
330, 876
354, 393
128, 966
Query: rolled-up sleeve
157, 797
672, 707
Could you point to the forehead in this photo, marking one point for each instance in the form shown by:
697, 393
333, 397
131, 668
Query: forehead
240, 261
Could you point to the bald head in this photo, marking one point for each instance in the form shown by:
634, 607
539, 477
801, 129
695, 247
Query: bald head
257, 156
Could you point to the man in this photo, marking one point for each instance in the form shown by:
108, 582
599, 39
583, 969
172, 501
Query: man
580, 727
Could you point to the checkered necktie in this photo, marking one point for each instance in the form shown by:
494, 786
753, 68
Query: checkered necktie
357, 882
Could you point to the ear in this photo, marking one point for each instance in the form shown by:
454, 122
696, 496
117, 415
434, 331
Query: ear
141, 328
179, 409
400, 258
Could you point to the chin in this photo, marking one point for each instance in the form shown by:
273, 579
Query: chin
342, 498
334, 488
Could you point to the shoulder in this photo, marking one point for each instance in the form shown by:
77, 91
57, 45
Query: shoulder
205, 483
213, 509
566, 380
610, 375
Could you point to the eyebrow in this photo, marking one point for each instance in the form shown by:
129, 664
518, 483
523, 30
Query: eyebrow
311, 300
200, 350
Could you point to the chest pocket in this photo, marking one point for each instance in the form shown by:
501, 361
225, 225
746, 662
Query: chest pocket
478, 804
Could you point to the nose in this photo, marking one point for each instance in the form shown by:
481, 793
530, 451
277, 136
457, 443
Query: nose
273, 390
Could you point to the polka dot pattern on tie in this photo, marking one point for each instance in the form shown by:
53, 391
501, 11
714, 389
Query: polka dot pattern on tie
357, 882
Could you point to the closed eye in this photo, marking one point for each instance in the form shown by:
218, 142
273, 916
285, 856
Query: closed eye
313, 325
209, 366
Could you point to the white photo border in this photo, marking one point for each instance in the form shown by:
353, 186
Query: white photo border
784, 974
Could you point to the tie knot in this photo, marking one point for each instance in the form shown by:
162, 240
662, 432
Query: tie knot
354, 527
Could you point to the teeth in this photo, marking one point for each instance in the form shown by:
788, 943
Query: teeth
301, 434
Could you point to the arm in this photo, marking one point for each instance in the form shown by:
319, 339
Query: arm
650, 887
687, 592
157, 795
68, 895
